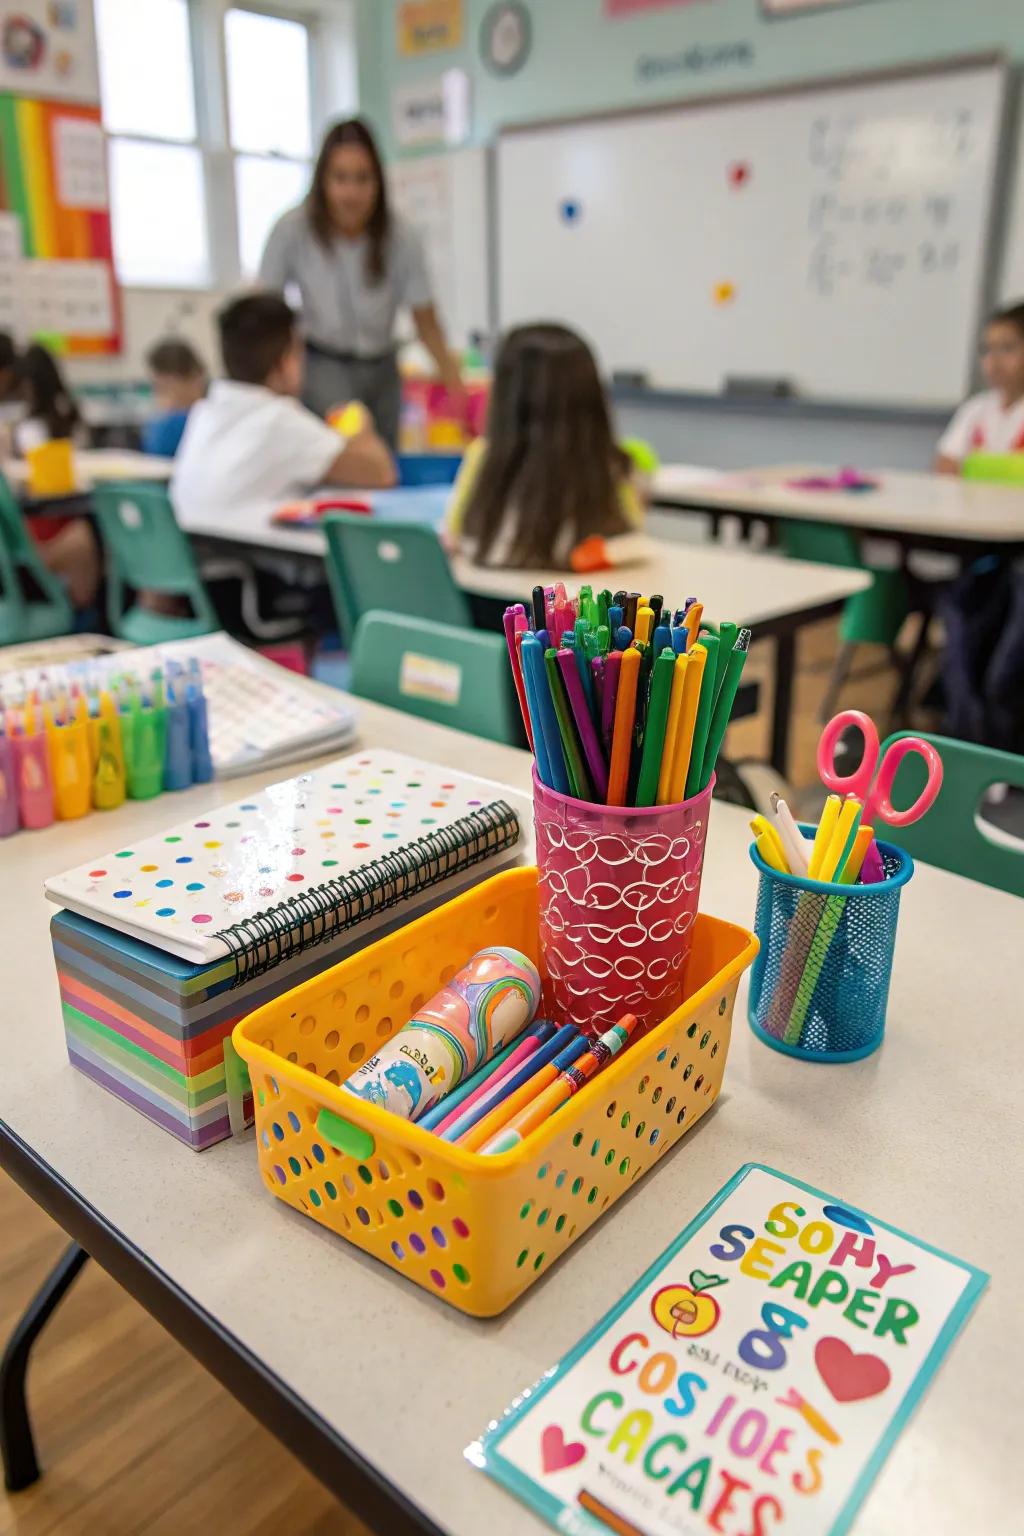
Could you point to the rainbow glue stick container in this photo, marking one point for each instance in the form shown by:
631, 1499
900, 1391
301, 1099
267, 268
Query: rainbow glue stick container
485, 1005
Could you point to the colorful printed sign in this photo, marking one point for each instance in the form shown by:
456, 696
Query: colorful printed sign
48, 48
751, 1383
428, 26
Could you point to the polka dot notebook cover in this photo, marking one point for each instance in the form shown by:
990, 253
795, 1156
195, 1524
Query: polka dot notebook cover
350, 840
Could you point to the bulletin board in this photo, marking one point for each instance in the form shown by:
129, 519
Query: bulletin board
57, 281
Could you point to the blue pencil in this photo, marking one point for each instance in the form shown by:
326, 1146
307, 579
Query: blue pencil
541, 1028
537, 727
566, 1036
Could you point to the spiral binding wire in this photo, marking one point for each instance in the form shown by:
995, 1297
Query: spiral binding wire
266, 939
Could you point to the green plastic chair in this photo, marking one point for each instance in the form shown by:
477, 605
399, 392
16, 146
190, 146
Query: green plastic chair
949, 835
453, 676
146, 550
872, 617
33, 603
390, 566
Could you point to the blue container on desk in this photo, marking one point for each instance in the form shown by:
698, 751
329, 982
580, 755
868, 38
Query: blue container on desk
841, 1016
416, 469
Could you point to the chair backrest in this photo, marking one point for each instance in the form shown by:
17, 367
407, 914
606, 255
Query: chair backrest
949, 835
146, 549
393, 566
827, 543
23, 617
454, 676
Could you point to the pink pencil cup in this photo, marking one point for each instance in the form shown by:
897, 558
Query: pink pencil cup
618, 889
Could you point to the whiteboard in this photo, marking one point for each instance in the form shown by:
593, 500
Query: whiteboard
446, 197
834, 236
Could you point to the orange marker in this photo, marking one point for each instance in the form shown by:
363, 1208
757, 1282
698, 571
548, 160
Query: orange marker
696, 661
622, 731
675, 710
691, 623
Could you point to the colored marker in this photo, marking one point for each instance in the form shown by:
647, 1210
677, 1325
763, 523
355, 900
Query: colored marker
654, 731
501, 1113
584, 722
622, 734
496, 1094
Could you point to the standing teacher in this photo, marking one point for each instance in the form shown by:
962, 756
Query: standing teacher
355, 262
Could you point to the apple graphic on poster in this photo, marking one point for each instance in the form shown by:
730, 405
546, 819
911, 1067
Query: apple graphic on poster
688, 1311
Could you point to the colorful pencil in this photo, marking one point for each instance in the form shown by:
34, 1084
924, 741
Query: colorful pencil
622, 736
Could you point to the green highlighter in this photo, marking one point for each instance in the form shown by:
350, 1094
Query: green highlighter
702, 723
735, 662
654, 734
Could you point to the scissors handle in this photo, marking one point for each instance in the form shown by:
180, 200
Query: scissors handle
879, 802
857, 782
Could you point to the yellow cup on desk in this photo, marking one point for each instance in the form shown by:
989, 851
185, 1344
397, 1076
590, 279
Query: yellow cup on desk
51, 468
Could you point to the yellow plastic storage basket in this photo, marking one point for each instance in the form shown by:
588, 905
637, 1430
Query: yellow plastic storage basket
474, 1230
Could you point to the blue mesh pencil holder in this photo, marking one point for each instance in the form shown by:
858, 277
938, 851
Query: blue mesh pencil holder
820, 983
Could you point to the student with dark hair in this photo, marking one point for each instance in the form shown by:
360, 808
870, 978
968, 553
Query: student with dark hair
354, 262
179, 380
8, 368
251, 441
549, 474
993, 421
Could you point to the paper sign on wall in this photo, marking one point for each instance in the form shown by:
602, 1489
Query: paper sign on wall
81, 161
753, 1380
434, 111
427, 26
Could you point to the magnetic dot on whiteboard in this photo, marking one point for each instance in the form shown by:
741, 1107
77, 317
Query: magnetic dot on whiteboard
570, 210
723, 293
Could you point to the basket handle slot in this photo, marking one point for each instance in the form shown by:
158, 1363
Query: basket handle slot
348, 1138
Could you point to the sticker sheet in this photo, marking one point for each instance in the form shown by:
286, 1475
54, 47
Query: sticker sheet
752, 1382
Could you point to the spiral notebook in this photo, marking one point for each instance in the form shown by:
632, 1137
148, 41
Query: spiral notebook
164, 944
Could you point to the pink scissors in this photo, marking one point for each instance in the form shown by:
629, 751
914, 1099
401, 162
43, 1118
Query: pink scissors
881, 768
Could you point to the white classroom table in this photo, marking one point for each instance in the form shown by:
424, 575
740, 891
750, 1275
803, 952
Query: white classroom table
926, 511
774, 596
924, 1134
99, 466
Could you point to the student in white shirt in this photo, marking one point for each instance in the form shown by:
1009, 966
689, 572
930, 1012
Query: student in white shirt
251, 441
992, 422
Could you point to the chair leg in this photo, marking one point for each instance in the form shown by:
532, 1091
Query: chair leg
909, 671
837, 677
17, 1446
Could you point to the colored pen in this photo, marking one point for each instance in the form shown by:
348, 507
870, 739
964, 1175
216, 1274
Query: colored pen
580, 708
622, 734
623, 638
500, 1114
612, 666
768, 845
496, 1094
8, 786
675, 710
615, 613
694, 614
533, 660
696, 662
487, 1076
705, 709
662, 639
555, 1095
823, 836
644, 624
792, 839
654, 730
842, 840
539, 619
515, 619
632, 599
533, 705
734, 664
574, 765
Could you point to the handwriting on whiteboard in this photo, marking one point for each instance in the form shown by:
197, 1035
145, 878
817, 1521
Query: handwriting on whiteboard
881, 211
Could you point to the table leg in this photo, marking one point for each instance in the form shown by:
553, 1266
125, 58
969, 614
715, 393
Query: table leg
782, 706
17, 1447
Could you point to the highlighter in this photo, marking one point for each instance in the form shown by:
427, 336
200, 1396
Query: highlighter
148, 733
177, 750
8, 786
108, 784
70, 768
198, 727
34, 784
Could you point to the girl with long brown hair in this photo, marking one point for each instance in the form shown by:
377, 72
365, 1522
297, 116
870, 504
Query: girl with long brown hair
549, 474
355, 262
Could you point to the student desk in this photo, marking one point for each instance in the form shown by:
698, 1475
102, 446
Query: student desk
378, 1386
919, 511
776, 597
96, 466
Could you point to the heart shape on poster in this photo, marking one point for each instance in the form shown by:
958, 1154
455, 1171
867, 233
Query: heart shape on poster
556, 1452
848, 1376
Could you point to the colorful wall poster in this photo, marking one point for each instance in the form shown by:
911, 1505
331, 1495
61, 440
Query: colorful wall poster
57, 277
752, 1381
48, 49
428, 26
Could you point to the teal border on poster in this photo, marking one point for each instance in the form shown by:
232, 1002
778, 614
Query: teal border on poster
486, 1453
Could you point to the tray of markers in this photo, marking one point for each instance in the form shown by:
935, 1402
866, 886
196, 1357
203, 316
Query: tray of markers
475, 1200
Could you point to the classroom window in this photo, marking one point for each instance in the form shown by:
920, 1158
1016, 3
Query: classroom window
158, 213
269, 120
157, 185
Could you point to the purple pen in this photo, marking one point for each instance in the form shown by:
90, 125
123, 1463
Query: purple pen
584, 724
613, 664
597, 682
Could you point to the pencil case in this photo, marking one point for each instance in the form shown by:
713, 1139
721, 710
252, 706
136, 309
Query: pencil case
474, 1230
820, 984
618, 892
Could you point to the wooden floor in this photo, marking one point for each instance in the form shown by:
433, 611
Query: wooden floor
134, 1435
